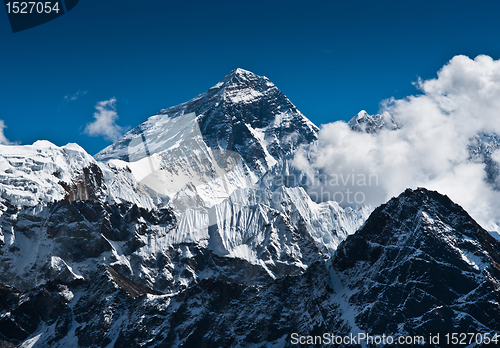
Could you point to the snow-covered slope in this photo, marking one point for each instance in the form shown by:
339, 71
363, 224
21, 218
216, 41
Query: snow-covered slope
268, 234
43, 172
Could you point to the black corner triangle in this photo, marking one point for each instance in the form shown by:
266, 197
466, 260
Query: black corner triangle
70, 4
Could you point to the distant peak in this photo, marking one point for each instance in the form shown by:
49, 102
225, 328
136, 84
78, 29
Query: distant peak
362, 115
366, 123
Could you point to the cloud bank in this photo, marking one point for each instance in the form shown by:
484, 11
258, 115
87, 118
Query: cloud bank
105, 121
432, 146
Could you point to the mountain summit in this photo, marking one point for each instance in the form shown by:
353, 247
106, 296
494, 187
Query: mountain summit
244, 113
425, 266
223, 139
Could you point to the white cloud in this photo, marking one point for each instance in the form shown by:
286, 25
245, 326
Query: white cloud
3, 139
74, 96
431, 147
105, 121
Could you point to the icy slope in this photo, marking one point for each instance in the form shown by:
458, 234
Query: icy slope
252, 237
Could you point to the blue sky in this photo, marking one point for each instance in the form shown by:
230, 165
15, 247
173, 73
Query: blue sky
331, 58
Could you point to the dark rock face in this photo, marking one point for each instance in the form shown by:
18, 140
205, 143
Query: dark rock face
425, 266
213, 313
223, 124
24, 312
89, 185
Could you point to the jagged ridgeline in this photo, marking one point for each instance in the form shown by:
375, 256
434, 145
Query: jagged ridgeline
194, 229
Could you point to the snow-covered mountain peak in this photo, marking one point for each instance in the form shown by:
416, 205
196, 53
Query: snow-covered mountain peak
43, 144
241, 98
361, 115
244, 117
426, 249
240, 79
241, 72
364, 122
427, 219
43, 173
239, 75
241, 86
